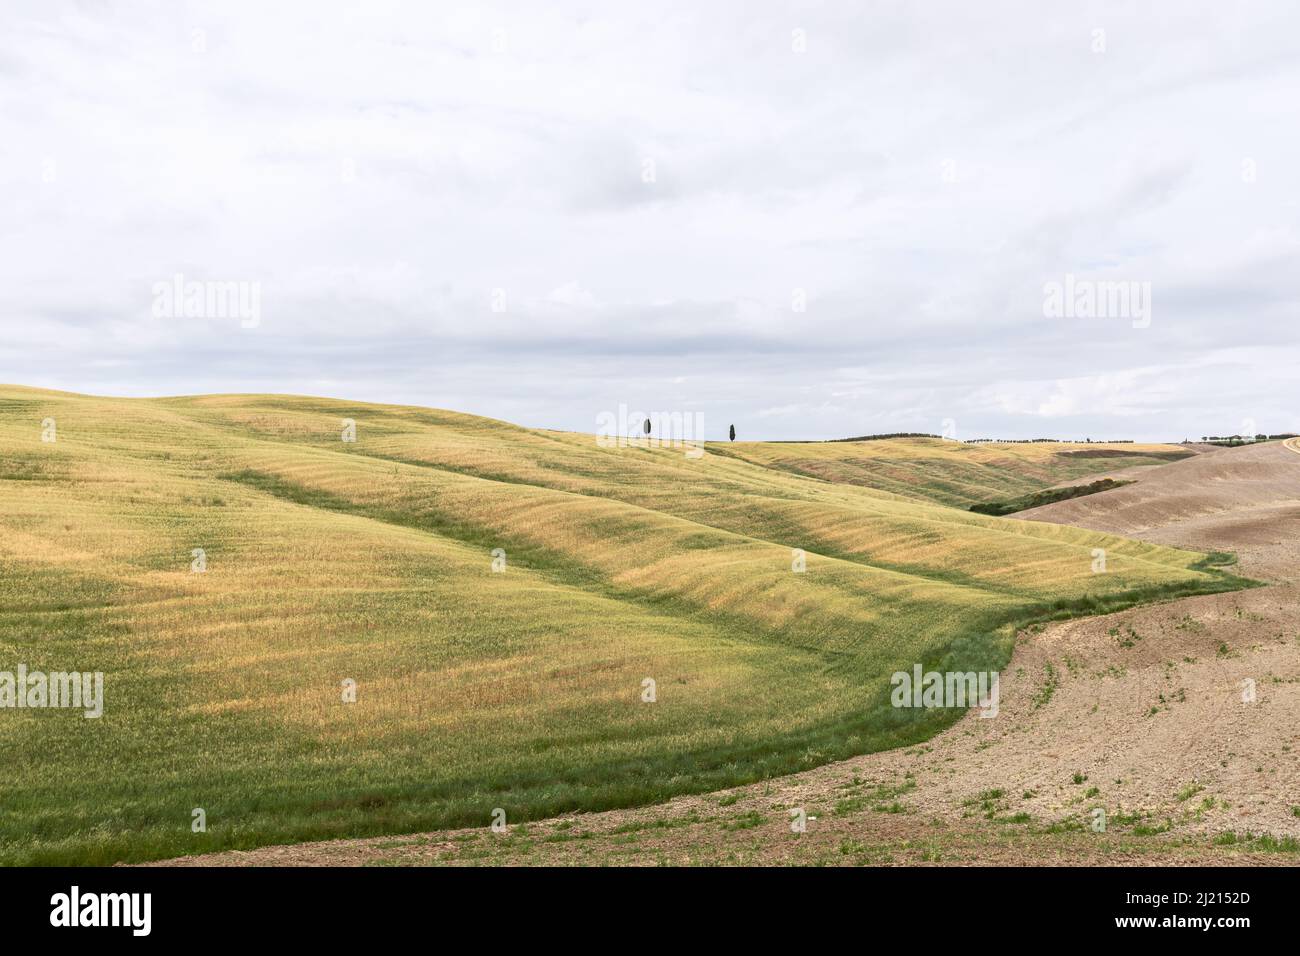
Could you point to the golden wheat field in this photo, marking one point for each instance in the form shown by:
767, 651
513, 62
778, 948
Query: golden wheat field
950, 472
307, 637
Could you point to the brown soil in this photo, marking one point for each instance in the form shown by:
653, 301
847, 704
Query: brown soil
1244, 499
1140, 713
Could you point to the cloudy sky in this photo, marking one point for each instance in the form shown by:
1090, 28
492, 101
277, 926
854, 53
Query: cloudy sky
810, 219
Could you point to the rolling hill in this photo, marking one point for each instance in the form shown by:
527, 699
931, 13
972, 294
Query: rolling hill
949, 472
499, 596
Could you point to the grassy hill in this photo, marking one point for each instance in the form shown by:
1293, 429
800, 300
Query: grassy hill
949, 472
372, 561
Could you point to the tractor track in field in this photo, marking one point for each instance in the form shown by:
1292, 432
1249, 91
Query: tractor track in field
1140, 713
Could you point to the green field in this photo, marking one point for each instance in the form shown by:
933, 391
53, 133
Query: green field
949, 472
372, 561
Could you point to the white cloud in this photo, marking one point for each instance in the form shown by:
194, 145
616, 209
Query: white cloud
573, 295
919, 173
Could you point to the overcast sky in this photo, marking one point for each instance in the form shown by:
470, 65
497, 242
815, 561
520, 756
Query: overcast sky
812, 220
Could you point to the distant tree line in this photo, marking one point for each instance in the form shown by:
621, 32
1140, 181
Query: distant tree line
976, 441
1045, 497
1232, 440
890, 435
1035, 441
1211, 439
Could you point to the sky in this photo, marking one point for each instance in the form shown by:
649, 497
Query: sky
809, 220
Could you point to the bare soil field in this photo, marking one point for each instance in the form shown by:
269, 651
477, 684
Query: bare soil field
1244, 499
1178, 721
